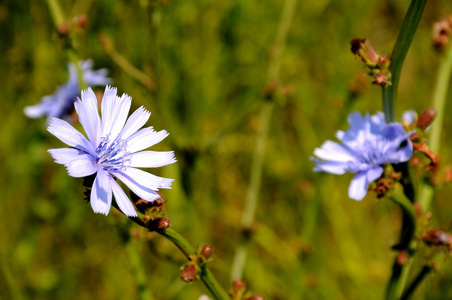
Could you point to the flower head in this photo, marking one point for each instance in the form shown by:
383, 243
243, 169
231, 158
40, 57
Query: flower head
366, 147
112, 150
61, 103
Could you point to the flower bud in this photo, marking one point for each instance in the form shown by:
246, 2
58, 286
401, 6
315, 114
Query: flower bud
441, 33
426, 118
363, 50
238, 285
63, 29
206, 252
80, 21
255, 297
188, 273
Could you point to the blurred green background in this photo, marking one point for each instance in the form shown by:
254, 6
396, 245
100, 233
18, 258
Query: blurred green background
209, 62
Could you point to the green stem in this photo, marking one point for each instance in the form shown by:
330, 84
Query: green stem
189, 251
439, 103
206, 276
58, 19
56, 12
401, 47
396, 282
258, 159
424, 272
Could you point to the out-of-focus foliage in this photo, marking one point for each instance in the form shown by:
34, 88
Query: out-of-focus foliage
209, 60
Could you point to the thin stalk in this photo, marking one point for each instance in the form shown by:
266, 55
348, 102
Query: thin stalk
56, 12
258, 159
439, 103
58, 19
189, 252
396, 282
406, 34
130, 69
206, 276
409, 291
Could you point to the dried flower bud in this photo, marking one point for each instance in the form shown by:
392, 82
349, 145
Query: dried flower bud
441, 33
188, 273
426, 118
437, 238
157, 223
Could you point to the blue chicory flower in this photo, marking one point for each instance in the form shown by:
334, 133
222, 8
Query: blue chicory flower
112, 150
365, 148
61, 103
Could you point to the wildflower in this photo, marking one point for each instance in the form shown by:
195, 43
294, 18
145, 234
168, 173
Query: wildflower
112, 150
366, 147
61, 103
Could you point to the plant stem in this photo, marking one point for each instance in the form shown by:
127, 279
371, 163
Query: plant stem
395, 285
399, 52
424, 272
206, 276
258, 159
56, 12
439, 103
58, 19
189, 252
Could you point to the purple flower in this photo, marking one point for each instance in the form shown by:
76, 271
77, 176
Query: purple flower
366, 147
61, 103
112, 150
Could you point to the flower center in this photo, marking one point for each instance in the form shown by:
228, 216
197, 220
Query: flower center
112, 156
369, 152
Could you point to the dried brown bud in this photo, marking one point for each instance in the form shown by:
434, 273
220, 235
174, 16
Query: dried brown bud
441, 33
383, 185
437, 238
158, 223
188, 273
426, 118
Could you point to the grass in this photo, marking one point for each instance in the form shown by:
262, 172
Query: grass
209, 62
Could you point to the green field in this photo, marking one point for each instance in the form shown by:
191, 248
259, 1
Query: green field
206, 71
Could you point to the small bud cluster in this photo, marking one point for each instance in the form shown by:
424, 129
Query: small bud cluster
78, 23
441, 32
154, 211
189, 271
239, 292
437, 238
419, 143
378, 65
